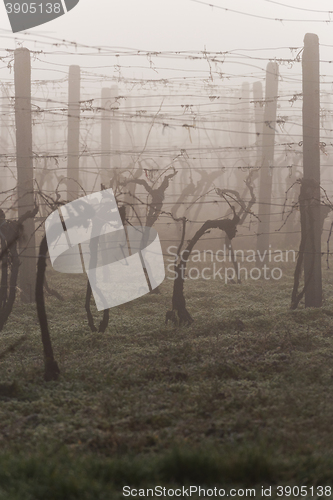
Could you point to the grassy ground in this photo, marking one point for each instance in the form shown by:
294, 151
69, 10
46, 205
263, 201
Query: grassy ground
241, 398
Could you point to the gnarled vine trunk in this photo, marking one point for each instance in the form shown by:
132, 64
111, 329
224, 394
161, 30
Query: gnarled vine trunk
179, 313
51, 366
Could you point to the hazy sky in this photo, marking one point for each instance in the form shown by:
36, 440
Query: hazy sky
175, 25
186, 25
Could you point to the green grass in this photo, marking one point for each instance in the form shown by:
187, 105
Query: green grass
147, 404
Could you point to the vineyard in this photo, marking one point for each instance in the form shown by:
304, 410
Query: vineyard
222, 375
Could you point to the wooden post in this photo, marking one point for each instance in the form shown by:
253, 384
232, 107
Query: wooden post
106, 137
259, 127
138, 143
73, 145
4, 119
259, 118
311, 166
244, 137
128, 123
4, 141
245, 123
25, 188
115, 133
8, 146
231, 126
129, 150
266, 170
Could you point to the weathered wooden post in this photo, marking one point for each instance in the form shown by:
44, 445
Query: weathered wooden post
266, 170
115, 134
259, 119
245, 123
4, 119
24, 162
106, 137
259, 127
138, 142
128, 143
4, 140
73, 138
128, 123
9, 181
311, 166
244, 137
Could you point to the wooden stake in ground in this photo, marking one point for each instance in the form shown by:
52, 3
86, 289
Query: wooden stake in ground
115, 133
73, 145
4, 138
311, 166
259, 118
266, 170
106, 136
25, 189
245, 125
